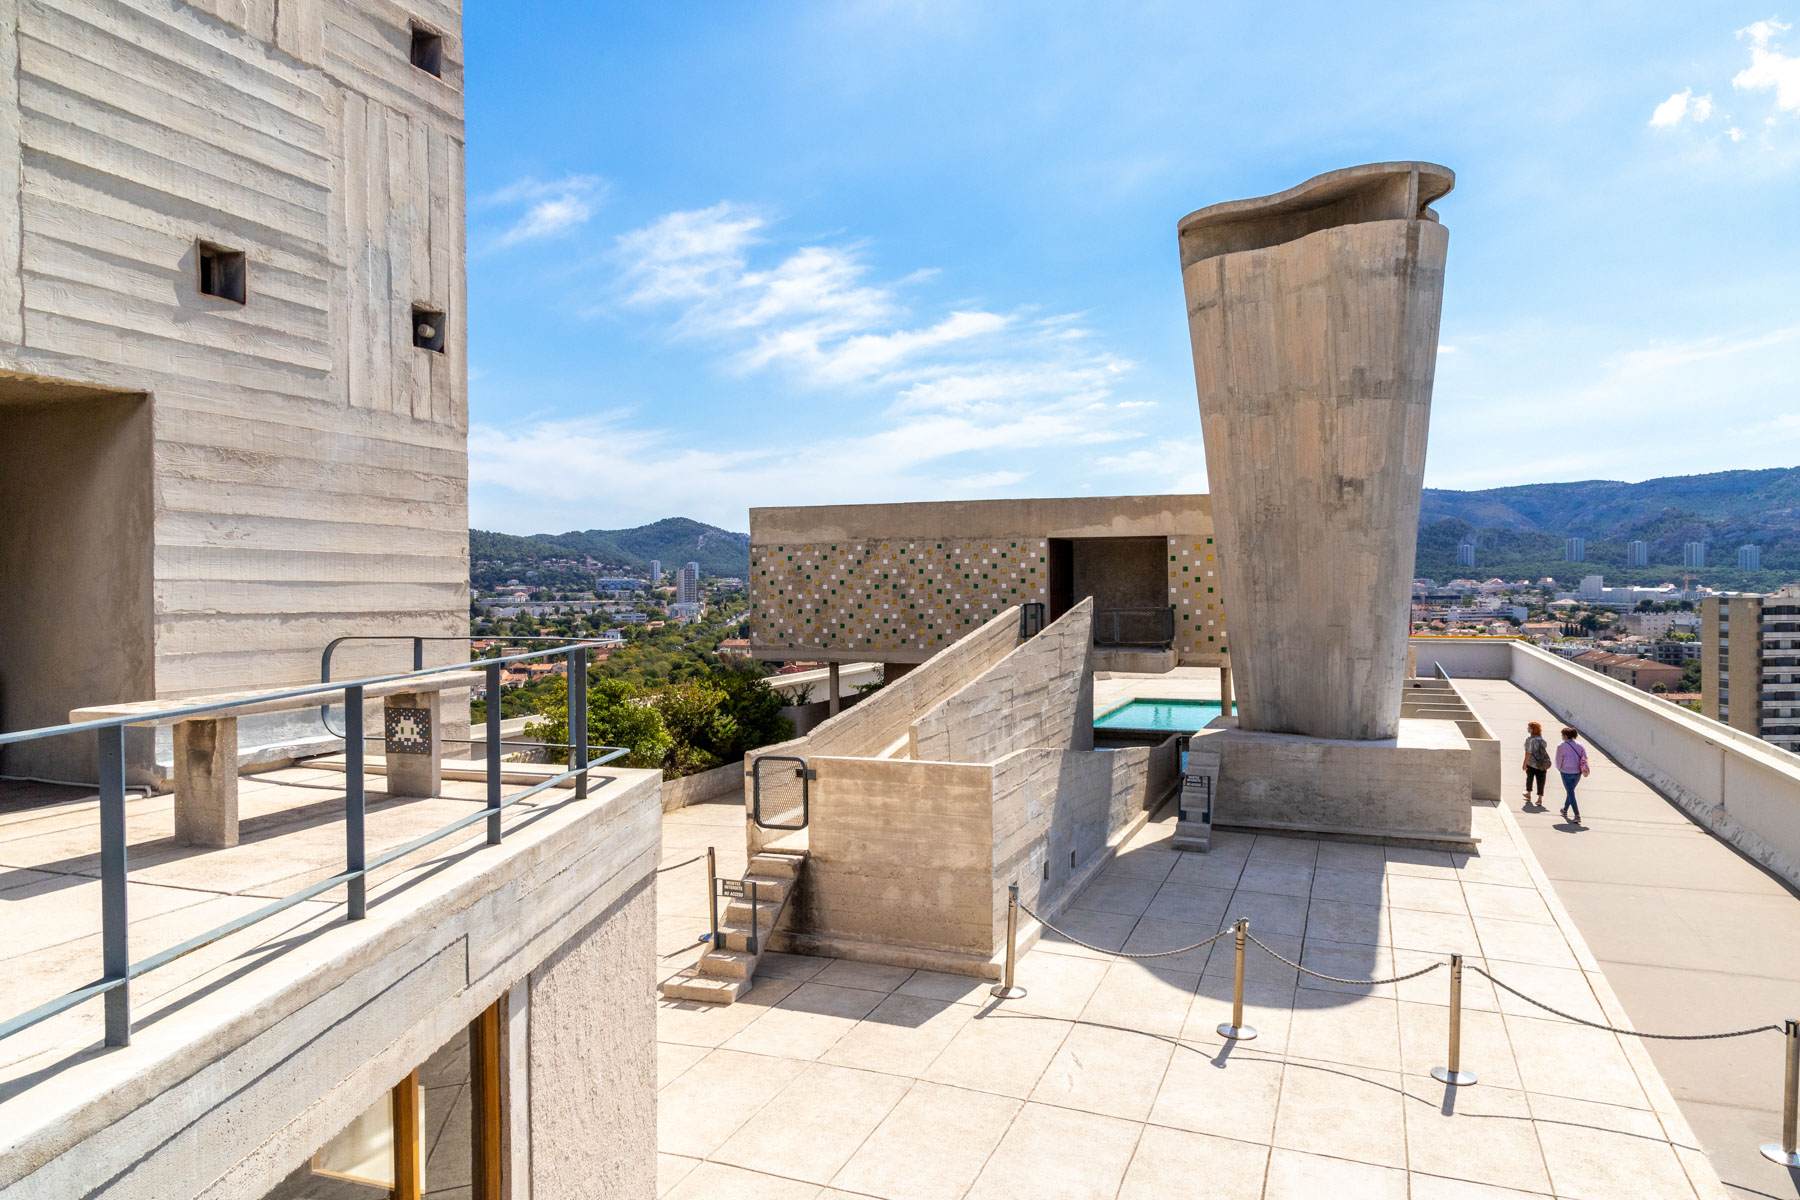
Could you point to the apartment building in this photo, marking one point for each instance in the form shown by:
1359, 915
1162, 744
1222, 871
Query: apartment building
1750, 664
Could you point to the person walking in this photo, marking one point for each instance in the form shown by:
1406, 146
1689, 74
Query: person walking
1537, 761
1572, 763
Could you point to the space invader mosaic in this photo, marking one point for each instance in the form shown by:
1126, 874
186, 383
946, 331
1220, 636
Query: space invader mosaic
1198, 601
905, 595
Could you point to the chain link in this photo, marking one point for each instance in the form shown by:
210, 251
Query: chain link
1117, 953
1663, 1037
1333, 978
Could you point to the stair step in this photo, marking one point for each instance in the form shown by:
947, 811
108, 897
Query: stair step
726, 963
770, 889
699, 987
776, 866
738, 913
736, 938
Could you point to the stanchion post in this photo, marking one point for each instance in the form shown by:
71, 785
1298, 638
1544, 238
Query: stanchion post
1787, 1151
755, 922
1006, 989
712, 894
1236, 1030
1453, 1074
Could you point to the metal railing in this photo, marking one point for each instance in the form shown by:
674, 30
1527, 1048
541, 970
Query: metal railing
1135, 627
117, 967
1785, 1152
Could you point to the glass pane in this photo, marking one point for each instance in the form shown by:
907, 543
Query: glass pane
357, 1164
447, 1096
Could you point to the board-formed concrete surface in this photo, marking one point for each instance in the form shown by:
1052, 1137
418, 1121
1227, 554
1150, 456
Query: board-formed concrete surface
835, 1079
1313, 315
1692, 935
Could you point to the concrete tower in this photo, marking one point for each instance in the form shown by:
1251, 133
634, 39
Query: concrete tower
1314, 320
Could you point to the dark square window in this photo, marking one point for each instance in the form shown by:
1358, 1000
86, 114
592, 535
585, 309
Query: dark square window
428, 329
428, 51
222, 272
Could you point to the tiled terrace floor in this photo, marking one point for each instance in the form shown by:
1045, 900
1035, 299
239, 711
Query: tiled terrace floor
1690, 934
835, 1078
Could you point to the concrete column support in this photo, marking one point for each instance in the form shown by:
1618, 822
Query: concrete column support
836, 692
413, 744
1313, 315
206, 782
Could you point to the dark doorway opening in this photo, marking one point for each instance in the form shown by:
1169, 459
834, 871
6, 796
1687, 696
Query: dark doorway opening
1062, 576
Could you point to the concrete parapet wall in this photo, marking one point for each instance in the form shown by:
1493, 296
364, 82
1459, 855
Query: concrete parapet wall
1741, 787
1464, 658
1041, 694
707, 785
237, 1082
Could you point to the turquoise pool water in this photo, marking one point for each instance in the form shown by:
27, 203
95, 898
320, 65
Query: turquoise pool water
1173, 716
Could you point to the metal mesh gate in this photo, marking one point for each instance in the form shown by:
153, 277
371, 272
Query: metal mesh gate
780, 792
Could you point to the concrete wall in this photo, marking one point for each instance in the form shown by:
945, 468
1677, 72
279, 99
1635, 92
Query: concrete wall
898, 582
592, 1059
310, 463
1041, 694
715, 784
1313, 317
901, 863
75, 569
1059, 813
234, 1084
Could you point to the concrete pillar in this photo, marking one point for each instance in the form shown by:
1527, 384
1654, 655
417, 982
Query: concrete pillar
836, 692
1225, 704
412, 743
1313, 315
206, 782
890, 671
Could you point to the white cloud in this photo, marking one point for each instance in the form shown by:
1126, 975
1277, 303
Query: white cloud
1735, 134
1769, 67
879, 402
552, 208
1682, 104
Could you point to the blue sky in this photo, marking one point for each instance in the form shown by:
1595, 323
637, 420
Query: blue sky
725, 255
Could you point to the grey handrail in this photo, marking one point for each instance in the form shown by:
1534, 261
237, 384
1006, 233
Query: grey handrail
117, 969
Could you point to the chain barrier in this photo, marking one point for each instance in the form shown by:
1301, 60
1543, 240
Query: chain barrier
1118, 953
1334, 979
1663, 1037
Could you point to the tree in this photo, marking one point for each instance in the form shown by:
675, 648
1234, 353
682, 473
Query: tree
1690, 675
617, 716
1659, 688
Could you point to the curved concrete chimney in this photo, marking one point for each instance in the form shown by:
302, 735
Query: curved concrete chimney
1314, 320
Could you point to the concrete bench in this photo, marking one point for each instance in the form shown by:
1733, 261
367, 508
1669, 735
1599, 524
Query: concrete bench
206, 747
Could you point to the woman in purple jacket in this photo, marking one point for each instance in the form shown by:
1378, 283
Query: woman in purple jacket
1572, 764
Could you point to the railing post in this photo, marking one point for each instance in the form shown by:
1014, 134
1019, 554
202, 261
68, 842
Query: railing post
1453, 1074
493, 753
355, 803
1006, 989
1787, 1151
115, 942
755, 927
578, 723
1237, 1031
712, 894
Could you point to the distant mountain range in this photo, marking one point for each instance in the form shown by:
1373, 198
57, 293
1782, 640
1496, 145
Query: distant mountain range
1521, 530
674, 541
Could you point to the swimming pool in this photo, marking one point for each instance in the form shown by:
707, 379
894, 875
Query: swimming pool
1170, 716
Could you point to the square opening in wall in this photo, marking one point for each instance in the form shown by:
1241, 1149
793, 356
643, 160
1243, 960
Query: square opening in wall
428, 51
223, 273
428, 329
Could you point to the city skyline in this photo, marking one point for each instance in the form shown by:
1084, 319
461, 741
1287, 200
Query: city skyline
989, 305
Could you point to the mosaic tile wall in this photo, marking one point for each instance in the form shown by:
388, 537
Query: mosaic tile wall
1199, 604
913, 596
897, 594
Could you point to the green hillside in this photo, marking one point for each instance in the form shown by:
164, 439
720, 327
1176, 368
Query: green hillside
673, 541
1519, 531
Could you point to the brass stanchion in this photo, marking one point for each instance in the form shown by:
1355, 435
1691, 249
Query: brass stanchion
1006, 989
1787, 1151
712, 895
1453, 1074
1237, 1030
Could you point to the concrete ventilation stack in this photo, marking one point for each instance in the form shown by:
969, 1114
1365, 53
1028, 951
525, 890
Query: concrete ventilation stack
1314, 320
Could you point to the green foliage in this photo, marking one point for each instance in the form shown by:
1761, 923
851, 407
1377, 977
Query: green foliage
1690, 676
617, 716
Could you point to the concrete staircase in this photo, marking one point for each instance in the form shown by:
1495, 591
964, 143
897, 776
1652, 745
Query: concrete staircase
726, 970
